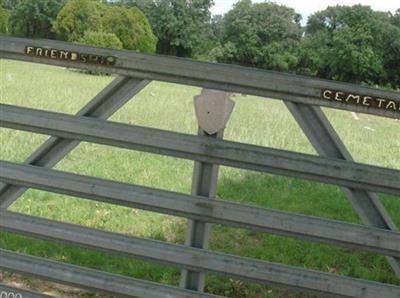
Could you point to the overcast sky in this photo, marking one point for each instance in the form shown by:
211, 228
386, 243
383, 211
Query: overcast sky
307, 7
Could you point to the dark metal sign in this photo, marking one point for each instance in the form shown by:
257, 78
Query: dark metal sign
361, 100
69, 55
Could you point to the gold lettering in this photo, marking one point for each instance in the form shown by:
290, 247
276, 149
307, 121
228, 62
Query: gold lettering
93, 58
102, 60
74, 56
366, 101
39, 52
352, 96
380, 102
337, 96
53, 54
326, 94
110, 60
83, 58
64, 55
29, 50
88, 58
392, 105
353, 99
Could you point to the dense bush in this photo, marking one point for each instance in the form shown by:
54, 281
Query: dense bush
264, 35
353, 44
101, 39
33, 18
132, 28
181, 26
77, 17
129, 25
9, 4
4, 18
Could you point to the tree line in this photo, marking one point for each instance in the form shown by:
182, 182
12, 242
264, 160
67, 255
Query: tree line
348, 43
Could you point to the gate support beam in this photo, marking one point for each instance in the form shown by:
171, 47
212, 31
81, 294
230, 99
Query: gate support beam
213, 109
327, 143
113, 284
102, 106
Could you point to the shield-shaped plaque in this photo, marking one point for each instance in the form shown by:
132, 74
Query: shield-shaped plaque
213, 109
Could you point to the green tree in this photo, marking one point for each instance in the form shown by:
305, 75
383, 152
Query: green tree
131, 26
182, 27
396, 18
78, 16
391, 49
264, 35
211, 36
4, 19
353, 44
178, 24
9, 4
143, 5
33, 18
101, 39
217, 27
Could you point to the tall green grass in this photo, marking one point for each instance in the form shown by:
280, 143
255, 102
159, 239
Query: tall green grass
255, 120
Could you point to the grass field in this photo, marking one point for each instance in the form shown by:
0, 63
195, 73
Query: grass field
255, 120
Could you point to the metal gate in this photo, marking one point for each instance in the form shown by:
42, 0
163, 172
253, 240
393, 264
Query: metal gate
302, 96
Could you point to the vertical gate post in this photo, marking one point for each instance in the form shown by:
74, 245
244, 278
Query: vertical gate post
213, 109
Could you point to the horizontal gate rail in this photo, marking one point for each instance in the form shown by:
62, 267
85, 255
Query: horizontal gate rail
198, 259
7, 291
102, 106
251, 157
91, 279
197, 207
228, 78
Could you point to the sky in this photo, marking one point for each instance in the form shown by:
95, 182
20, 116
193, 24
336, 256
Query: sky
307, 7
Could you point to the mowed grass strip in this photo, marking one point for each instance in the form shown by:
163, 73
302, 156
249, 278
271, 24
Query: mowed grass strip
372, 140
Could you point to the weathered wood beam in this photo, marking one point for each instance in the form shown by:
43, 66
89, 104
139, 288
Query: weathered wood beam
263, 159
324, 284
228, 78
90, 279
213, 110
203, 209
